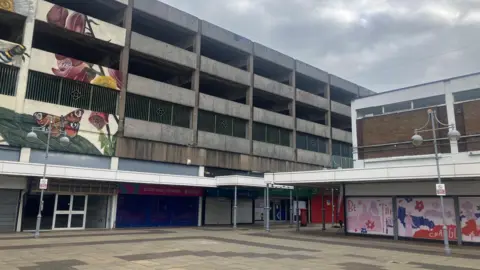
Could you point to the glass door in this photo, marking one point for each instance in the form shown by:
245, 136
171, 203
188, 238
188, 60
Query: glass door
70, 212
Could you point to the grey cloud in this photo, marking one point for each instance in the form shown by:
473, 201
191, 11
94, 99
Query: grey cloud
379, 44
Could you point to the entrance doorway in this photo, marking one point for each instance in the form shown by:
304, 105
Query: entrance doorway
70, 212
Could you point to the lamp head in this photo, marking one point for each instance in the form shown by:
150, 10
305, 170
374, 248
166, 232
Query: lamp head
64, 141
417, 140
32, 136
454, 135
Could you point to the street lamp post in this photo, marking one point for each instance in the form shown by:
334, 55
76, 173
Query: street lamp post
32, 137
417, 140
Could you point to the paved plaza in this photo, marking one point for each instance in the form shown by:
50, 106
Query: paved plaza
223, 248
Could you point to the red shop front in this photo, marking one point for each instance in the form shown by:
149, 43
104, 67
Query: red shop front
329, 206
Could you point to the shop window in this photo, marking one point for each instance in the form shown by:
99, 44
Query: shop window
8, 80
61, 91
158, 111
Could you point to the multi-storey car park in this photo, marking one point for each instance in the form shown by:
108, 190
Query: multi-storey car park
156, 102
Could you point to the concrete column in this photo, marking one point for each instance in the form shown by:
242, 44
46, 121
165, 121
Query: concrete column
458, 221
354, 136
291, 207
293, 110
20, 212
333, 207
200, 212
250, 65
328, 118
395, 218
297, 211
23, 72
235, 208
201, 171
268, 211
124, 61
114, 211
114, 163
323, 210
25, 154
450, 113
197, 45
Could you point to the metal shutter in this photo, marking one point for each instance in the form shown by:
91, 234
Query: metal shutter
244, 211
218, 211
8, 209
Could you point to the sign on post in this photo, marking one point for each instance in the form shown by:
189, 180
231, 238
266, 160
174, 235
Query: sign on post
43, 183
441, 191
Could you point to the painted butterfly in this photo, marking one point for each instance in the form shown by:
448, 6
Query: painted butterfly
71, 122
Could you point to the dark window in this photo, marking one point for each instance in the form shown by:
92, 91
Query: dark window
222, 124
467, 95
400, 106
158, 111
429, 102
342, 149
56, 90
370, 111
8, 79
271, 134
311, 142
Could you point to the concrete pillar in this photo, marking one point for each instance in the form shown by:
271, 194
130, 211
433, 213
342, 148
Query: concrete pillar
268, 210
20, 212
328, 118
323, 210
291, 207
200, 211
25, 154
124, 61
354, 136
114, 163
450, 113
197, 45
265, 208
250, 65
27, 41
395, 218
235, 208
114, 211
458, 221
293, 110
201, 171
297, 211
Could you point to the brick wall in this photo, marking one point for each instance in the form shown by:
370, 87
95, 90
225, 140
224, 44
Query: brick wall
467, 117
397, 129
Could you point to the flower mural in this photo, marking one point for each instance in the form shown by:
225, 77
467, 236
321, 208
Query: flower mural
107, 141
76, 69
369, 216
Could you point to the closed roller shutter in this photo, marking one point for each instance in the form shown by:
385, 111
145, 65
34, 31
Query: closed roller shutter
218, 211
8, 209
244, 211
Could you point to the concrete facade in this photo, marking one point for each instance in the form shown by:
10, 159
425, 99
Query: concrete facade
167, 70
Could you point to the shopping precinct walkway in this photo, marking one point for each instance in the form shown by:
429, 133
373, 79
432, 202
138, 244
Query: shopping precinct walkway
223, 248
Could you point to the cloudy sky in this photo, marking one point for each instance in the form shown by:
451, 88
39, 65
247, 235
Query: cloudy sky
379, 44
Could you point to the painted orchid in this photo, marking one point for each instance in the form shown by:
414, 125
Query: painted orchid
117, 75
77, 23
98, 119
57, 16
71, 69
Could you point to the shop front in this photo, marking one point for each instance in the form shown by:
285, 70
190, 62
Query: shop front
69, 205
145, 205
219, 206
